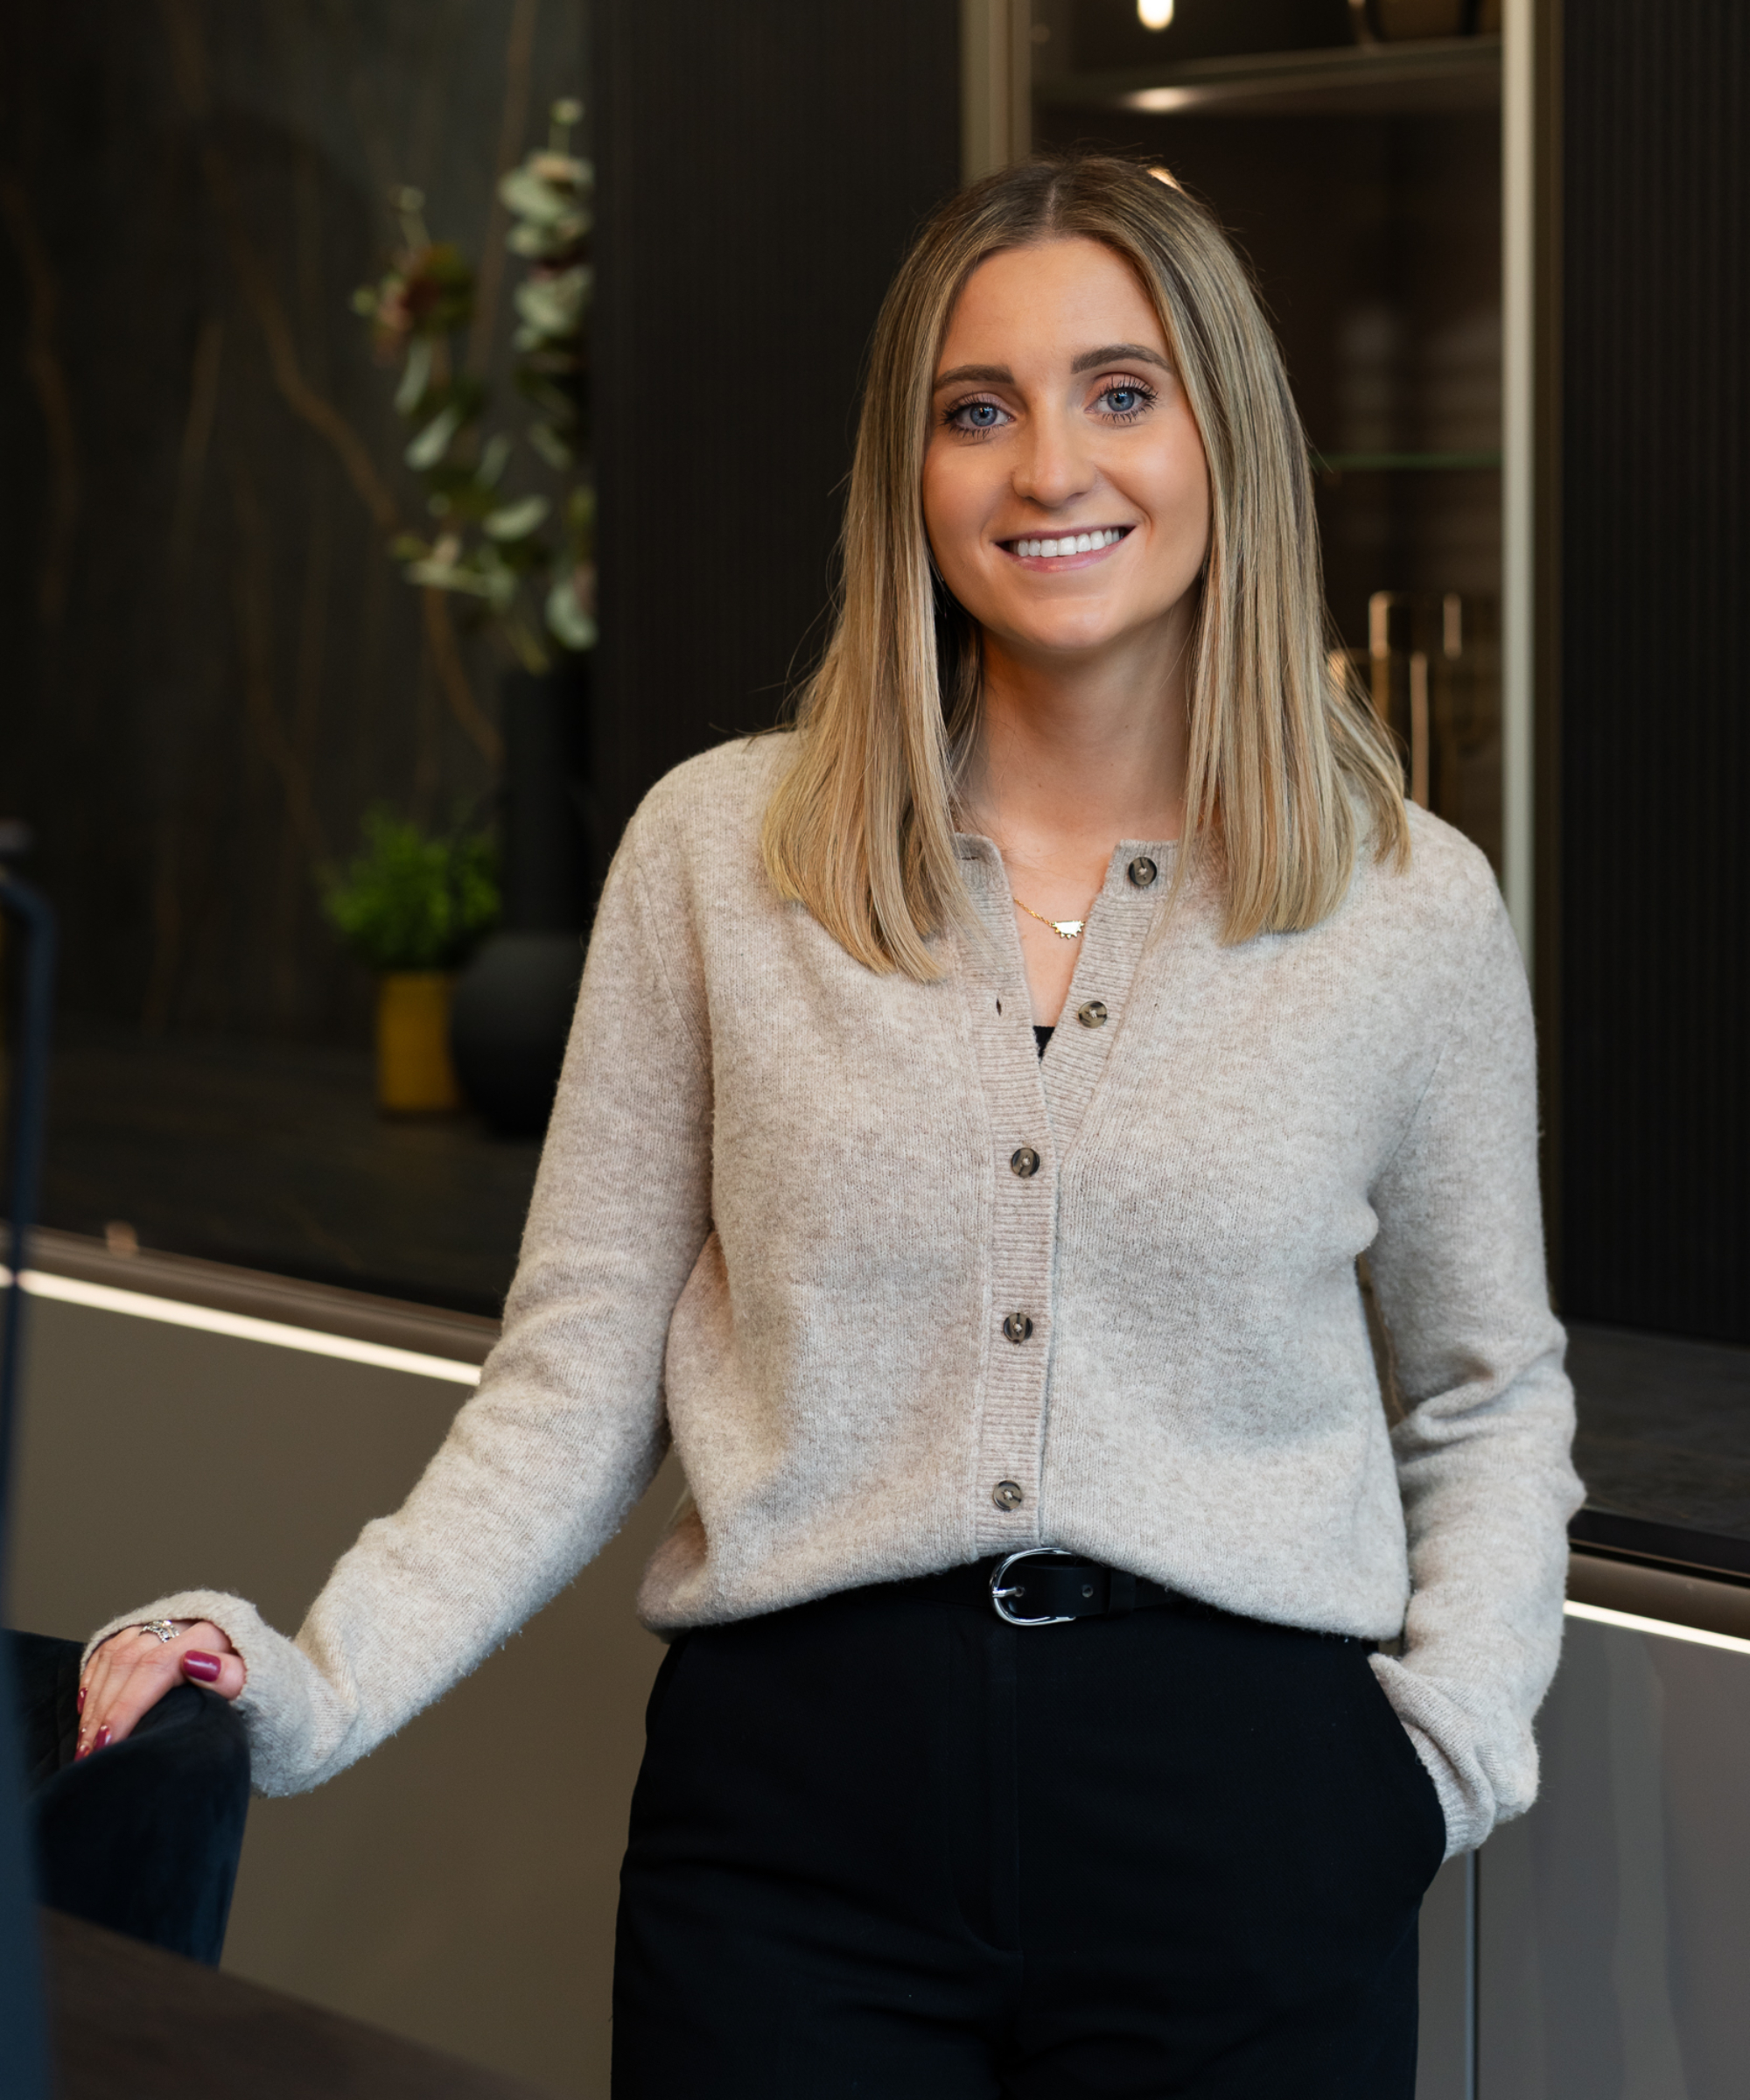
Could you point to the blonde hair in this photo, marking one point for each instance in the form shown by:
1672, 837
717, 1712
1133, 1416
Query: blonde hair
1290, 770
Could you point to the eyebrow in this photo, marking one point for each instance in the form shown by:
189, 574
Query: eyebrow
1090, 360
996, 376
1119, 354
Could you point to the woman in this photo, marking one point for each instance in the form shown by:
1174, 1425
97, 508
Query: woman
977, 1103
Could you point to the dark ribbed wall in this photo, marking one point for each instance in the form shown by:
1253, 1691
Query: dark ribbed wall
763, 168
1655, 700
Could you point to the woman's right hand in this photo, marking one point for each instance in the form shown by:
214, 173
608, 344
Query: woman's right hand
134, 1668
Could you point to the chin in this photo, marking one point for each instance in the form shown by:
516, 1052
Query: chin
1080, 637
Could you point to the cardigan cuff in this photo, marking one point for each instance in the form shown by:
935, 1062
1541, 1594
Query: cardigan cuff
1483, 1764
279, 1703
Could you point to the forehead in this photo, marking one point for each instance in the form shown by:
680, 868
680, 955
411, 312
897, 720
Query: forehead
1048, 301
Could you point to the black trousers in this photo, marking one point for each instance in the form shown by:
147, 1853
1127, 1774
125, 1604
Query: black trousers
893, 1848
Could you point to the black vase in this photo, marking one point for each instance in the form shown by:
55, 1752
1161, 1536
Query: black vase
512, 1009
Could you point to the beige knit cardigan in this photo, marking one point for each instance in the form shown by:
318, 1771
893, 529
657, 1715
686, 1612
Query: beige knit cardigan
782, 1222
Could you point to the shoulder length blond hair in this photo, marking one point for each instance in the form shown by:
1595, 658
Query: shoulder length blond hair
1290, 771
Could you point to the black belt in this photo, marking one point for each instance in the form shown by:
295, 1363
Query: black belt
1045, 1585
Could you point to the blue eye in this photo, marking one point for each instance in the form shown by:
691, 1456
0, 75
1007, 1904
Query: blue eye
976, 418
1125, 399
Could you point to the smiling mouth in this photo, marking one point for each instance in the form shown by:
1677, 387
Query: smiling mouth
1067, 545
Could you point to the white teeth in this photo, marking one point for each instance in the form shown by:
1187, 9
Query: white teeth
1080, 542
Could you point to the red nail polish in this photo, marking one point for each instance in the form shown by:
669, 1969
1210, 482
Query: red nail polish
197, 1663
84, 1750
102, 1740
81, 1699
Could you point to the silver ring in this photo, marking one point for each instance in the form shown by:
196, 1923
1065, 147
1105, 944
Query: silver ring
164, 1629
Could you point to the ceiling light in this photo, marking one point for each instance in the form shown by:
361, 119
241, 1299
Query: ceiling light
1154, 14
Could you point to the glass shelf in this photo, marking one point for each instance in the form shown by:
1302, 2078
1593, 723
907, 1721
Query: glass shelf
1373, 80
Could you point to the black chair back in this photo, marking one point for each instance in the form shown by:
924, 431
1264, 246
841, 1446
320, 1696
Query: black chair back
144, 1837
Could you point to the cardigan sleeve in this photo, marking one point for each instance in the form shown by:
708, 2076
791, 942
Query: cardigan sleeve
1483, 1450
567, 1428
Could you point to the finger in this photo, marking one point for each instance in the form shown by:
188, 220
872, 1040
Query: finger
111, 1716
222, 1673
107, 1669
207, 1657
137, 1673
128, 1674
202, 1633
96, 1670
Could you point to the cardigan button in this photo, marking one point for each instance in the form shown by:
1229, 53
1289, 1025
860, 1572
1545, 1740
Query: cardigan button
1017, 1327
1008, 1495
1026, 1163
1142, 870
1093, 1015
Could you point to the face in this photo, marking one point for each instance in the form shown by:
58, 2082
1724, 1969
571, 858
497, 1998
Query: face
1066, 493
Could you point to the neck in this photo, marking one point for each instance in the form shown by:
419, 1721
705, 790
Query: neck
1075, 752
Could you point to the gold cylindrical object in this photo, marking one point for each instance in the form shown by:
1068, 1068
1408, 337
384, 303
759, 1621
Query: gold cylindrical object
414, 1073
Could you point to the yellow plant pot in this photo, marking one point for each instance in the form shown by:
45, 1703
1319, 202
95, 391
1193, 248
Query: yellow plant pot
414, 1073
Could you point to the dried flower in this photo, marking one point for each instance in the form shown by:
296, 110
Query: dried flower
488, 545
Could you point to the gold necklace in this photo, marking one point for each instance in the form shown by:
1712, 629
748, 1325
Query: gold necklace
1066, 929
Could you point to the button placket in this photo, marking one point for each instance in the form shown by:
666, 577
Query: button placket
1023, 1225
1033, 1111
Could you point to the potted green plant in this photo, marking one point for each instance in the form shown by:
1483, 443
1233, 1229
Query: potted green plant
413, 907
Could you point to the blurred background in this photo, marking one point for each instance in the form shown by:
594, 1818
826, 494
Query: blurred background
424, 423
223, 669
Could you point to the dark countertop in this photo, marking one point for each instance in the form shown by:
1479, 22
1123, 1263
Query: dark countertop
130, 2022
272, 1156
1664, 1445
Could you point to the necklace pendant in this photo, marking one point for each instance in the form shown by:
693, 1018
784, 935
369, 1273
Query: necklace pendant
1066, 929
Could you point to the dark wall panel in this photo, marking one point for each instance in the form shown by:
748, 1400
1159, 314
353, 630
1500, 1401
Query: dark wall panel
1656, 681
213, 668
762, 169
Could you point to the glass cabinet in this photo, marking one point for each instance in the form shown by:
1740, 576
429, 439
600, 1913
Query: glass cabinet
1354, 154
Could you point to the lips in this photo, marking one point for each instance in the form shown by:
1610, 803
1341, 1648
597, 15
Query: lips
1066, 546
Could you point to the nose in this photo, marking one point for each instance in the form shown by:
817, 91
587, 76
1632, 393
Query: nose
1053, 464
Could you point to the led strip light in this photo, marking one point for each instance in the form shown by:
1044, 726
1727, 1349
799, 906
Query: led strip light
1631, 1622
278, 1334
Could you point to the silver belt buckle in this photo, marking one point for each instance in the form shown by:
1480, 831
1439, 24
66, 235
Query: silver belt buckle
999, 1594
